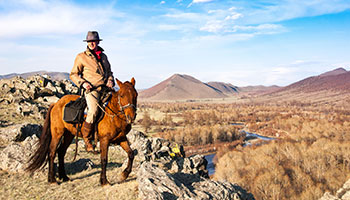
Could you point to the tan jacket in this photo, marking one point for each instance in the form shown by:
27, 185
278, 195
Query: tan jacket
87, 68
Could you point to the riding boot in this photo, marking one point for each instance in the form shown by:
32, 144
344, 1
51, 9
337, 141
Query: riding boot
88, 130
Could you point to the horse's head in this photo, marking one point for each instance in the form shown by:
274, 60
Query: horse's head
127, 99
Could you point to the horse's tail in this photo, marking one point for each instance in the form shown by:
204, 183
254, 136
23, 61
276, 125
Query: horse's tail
40, 157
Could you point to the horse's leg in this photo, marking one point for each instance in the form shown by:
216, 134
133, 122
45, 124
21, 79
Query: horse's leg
52, 153
126, 146
104, 143
62, 149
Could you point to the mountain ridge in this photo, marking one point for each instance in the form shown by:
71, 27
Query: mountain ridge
57, 76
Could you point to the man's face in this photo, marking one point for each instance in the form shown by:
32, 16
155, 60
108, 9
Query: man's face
93, 44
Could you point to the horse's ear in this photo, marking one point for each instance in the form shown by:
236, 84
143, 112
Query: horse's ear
118, 82
132, 81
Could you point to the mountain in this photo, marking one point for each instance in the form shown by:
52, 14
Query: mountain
54, 75
226, 88
181, 87
335, 80
332, 86
334, 72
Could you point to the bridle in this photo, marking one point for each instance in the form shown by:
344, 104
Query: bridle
125, 106
122, 108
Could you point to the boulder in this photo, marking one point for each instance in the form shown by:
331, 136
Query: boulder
163, 172
167, 154
28, 130
23, 143
19, 132
14, 157
155, 183
342, 194
18, 89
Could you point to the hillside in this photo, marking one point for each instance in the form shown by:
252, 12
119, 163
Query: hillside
57, 76
332, 86
181, 87
258, 89
226, 88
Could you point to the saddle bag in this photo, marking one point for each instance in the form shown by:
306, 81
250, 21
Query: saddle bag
74, 111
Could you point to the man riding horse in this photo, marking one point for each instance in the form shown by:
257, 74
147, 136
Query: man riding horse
90, 71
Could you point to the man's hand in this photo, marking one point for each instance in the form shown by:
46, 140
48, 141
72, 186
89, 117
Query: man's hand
109, 84
87, 86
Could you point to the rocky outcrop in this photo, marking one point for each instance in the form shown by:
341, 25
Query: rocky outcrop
32, 96
167, 154
164, 173
23, 140
155, 183
15, 156
342, 194
19, 132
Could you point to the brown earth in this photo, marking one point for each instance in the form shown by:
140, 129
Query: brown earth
180, 87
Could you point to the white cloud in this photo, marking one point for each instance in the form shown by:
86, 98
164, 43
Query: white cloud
54, 18
198, 1
213, 26
234, 16
184, 16
162, 2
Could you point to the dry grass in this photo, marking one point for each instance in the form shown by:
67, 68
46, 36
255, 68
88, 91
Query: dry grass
288, 170
83, 184
311, 158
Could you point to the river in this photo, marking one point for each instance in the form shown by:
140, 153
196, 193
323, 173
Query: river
249, 136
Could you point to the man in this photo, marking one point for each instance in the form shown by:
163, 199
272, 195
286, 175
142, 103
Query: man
91, 70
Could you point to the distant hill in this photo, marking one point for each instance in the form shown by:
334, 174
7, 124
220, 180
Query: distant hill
181, 87
335, 80
332, 86
54, 75
334, 72
258, 89
226, 88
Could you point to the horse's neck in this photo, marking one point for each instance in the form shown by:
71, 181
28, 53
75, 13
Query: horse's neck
114, 105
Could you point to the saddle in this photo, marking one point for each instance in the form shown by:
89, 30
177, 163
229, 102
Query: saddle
74, 110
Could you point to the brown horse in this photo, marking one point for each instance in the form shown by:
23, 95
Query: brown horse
112, 129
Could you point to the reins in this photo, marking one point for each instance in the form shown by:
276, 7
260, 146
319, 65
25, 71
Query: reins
122, 108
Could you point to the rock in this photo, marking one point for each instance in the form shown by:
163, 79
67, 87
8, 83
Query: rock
30, 98
51, 99
155, 183
159, 151
14, 157
342, 194
148, 147
19, 132
164, 173
5, 88
28, 130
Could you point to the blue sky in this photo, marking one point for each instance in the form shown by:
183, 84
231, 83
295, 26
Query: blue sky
255, 42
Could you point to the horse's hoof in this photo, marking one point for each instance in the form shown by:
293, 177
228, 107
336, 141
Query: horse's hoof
123, 176
53, 183
107, 183
65, 179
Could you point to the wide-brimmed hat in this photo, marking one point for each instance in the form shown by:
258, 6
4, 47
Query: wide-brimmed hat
92, 36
